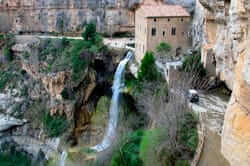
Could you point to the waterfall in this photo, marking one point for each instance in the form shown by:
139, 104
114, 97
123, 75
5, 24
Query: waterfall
113, 111
63, 158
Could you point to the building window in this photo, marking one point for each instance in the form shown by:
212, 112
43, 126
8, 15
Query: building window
163, 33
153, 31
182, 20
173, 31
155, 20
168, 19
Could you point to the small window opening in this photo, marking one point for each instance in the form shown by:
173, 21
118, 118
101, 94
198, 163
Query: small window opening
173, 31
155, 20
163, 33
168, 19
182, 20
153, 31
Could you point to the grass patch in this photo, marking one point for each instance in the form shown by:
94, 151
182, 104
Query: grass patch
55, 125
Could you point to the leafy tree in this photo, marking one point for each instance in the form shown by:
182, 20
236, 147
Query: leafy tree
90, 32
192, 64
148, 70
54, 125
164, 48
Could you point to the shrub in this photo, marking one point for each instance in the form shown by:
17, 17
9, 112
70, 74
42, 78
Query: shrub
54, 125
1, 37
4, 79
7, 54
150, 144
14, 158
182, 163
90, 32
9, 42
26, 55
148, 70
67, 94
188, 133
128, 153
163, 48
192, 64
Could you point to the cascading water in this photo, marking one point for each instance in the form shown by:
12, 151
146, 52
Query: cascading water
113, 112
63, 158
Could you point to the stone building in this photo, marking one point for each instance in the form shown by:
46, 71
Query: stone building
158, 22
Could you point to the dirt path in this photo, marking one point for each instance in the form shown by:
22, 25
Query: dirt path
211, 155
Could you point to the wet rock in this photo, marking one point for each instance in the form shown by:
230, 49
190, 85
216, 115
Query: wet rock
7, 122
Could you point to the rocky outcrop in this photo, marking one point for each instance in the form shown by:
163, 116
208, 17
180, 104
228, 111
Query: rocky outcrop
236, 133
226, 33
211, 31
54, 83
6, 122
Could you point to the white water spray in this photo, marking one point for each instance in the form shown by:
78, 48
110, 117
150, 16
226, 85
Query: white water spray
63, 158
113, 112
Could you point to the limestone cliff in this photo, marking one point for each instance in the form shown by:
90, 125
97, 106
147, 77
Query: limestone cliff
65, 15
225, 41
69, 16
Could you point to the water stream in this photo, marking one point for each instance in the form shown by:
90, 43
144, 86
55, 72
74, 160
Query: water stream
114, 107
63, 158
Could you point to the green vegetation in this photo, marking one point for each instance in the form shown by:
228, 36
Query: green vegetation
9, 42
1, 37
188, 132
26, 55
150, 145
67, 94
164, 48
128, 152
54, 125
153, 147
5, 77
90, 32
192, 64
13, 158
148, 70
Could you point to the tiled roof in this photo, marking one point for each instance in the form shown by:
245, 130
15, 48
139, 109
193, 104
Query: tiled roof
163, 11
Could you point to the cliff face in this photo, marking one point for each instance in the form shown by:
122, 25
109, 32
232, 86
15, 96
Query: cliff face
71, 15
236, 133
65, 15
225, 39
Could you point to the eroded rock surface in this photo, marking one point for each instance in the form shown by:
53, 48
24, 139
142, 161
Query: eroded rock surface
225, 37
71, 15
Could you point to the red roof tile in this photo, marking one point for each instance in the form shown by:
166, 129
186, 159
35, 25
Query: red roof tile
163, 11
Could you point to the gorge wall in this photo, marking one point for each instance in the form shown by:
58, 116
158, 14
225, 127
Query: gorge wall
224, 42
71, 15
65, 15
